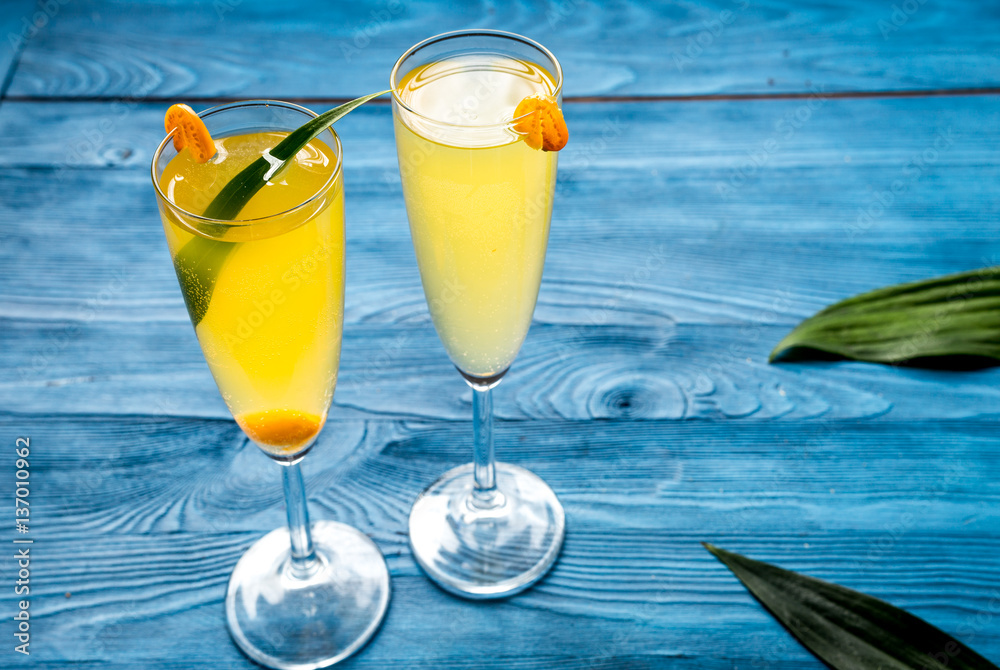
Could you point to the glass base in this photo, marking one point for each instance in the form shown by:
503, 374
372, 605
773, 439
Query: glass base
300, 623
490, 552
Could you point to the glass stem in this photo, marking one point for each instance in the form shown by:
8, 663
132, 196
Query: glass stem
484, 494
304, 563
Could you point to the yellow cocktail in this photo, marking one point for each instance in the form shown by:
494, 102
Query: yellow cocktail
479, 203
478, 190
265, 294
272, 328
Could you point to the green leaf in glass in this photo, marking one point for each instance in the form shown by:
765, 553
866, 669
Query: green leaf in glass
199, 261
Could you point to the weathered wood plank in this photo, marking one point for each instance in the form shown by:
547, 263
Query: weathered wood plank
125, 607
146, 550
687, 239
154, 475
633, 273
644, 370
745, 214
111, 48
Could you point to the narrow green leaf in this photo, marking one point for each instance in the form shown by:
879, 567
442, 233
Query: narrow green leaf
197, 265
947, 320
199, 261
237, 193
846, 629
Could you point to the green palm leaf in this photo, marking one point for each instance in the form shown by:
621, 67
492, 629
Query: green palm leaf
954, 317
846, 629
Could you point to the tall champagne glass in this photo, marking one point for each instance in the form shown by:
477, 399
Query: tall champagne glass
479, 201
266, 297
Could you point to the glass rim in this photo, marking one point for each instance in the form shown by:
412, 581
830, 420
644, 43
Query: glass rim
338, 150
556, 92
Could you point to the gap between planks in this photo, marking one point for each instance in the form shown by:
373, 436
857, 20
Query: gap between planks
907, 93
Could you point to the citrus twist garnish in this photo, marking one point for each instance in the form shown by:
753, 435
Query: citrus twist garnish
542, 124
190, 132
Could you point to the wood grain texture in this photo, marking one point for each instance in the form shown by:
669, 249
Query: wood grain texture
113, 49
157, 475
144, 544
673, 268
563, 372
687, 239
741, 199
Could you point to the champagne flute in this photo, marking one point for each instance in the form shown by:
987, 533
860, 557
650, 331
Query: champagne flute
479, 202
266, 297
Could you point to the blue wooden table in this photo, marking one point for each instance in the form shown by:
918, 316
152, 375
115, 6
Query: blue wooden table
734, 166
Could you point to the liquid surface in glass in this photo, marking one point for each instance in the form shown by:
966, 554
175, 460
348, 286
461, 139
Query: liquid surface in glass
272, 331
478, 201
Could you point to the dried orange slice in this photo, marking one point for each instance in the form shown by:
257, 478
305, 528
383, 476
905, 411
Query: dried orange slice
281, 429
542, 124
190, 132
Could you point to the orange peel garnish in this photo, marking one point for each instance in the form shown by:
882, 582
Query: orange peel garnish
190, 132
542, 125
281, 429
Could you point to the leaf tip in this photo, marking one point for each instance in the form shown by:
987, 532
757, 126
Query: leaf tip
781, 348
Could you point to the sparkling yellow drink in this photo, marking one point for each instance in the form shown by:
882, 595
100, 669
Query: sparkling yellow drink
270, 327
478, 201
